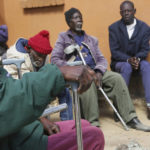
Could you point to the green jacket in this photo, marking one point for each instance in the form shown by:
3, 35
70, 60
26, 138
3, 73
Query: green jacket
22, 102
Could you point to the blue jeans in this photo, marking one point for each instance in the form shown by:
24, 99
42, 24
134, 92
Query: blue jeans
65, 97
125, 69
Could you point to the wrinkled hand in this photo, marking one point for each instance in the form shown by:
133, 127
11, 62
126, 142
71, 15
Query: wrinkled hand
96, 76
81, 74
99, 78
49, 127
134, 62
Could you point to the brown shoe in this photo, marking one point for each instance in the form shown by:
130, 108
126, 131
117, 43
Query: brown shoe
148, 113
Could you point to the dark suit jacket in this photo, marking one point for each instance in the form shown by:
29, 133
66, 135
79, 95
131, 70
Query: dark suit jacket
122, 47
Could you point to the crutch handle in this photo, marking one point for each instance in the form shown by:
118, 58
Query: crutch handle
54, 109
74, 63
15, 61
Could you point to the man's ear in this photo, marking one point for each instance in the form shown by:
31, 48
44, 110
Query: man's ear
120, 13
134, 11
28, 48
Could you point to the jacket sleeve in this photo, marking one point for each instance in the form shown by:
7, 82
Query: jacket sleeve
144, 45
115, 48
101, 63
57, 56
23, 101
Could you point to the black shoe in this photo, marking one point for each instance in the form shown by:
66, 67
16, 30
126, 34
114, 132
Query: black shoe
136, 124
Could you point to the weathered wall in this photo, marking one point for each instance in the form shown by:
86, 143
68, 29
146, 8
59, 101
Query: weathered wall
97, 16
2, 15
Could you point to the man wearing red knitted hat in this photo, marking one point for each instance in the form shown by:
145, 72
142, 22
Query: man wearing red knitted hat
34, 51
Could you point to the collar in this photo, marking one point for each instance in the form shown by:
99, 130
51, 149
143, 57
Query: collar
132, 25
71, 35
20, 45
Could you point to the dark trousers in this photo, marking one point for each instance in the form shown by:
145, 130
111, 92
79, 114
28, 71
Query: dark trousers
125, 69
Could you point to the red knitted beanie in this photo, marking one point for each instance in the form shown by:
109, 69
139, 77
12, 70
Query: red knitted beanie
40, 42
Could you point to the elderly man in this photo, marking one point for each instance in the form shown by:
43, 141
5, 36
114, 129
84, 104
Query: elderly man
35, 51
23, 101
112, 83
129, 45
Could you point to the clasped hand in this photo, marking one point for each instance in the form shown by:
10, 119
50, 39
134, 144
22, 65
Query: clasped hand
134, 61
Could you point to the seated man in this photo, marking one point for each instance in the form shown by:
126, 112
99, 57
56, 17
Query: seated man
129, 45
23, 101
35, 51
112, 83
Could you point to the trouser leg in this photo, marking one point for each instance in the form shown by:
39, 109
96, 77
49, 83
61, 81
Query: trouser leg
89, 105
125, 69
145, 73
93, 138
116, 90
65, 97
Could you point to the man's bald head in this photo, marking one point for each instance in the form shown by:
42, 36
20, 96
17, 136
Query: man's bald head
127, 11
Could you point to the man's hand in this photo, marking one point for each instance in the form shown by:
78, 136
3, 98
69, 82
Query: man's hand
81, 74
99, 79
134, 62
49, 127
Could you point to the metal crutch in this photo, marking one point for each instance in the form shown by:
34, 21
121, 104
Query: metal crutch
74, 87
17, 62
108, 100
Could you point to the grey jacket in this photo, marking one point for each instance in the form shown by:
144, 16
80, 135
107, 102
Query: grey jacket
59, 58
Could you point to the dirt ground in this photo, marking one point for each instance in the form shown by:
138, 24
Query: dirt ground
116, 135
114, 132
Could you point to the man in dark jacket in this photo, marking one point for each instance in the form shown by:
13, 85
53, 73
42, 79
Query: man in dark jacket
129, 45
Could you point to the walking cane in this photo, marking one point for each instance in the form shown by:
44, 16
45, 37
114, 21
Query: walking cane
100, 89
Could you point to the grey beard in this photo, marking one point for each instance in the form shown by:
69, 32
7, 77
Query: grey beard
36, 64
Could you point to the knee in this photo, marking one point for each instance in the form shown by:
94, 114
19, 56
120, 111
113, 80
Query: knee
117, 77
126, 68
98, 136
93, 138
144, 65
85, 123
97, 132
117, 80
